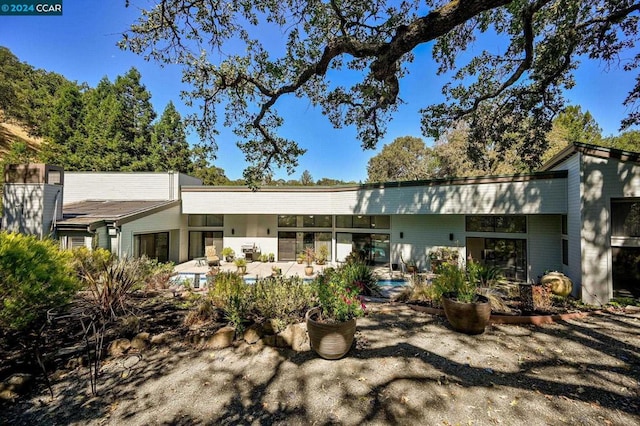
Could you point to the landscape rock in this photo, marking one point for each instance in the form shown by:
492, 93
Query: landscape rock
15, 385
119, 346
141, 341
253, 334
222, 338
300, 338
162, 338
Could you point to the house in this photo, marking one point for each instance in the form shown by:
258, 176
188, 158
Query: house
580, 214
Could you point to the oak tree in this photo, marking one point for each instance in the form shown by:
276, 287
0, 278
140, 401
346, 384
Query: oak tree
510, 94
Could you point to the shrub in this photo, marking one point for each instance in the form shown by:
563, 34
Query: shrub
484, 276
454, 280
111, 283
230, 293
35, 276
338, 296
283, 299
357, 271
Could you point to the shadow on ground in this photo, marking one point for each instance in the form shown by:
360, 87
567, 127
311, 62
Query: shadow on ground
406, 368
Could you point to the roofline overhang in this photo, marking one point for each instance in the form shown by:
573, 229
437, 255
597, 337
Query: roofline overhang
591, 150
523, 177
146, 212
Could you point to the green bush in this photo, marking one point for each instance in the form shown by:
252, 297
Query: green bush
112, 282
230, 293
453, 279
283, 299
357, 271
35, 276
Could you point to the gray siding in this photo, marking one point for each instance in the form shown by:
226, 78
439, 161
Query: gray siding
544, 245
542, 196
421, 233
79, 186
31, 208
603, 179
574, 220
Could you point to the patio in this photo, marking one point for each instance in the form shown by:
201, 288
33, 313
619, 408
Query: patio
196, 271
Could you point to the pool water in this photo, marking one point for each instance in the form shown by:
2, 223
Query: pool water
202, 282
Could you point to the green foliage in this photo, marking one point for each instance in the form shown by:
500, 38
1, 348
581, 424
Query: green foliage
228, 251
453, 279
508, 93
112, 282
483, 275
338, 296
240, 262
35, 276
322, 255
357, 271
230, 293
283, 299
406, 158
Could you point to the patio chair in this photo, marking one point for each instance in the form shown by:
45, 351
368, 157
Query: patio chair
212, 256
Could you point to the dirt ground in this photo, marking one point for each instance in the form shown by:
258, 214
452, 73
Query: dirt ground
405, 368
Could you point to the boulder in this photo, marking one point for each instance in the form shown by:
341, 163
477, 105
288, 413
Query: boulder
558, 283
163, 338
222, 338
141, 341
253, 334
119, 347
300, 338
15, 385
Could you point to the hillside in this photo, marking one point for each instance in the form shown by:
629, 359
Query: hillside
11, 132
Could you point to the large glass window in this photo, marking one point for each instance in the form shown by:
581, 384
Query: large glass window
206, 220
510, 255
198, 240
292, 243
625, 218
154, 246
373, 248
287, 221
506, 224
307, 221
364, 221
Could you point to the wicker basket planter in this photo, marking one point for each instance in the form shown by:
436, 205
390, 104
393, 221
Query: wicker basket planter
330, 340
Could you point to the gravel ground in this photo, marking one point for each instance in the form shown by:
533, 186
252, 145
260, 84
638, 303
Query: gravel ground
405, 368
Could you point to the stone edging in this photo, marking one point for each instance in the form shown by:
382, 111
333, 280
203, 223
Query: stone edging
513, 319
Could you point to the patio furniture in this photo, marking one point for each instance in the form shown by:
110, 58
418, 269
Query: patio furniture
212, 256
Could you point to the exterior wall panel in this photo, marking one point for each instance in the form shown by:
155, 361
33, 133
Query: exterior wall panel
163, 221
544, 250
574, 220
81, 186
541, 196
603, 179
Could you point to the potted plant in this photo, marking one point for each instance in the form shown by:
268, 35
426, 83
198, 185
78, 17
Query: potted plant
263, 258
228, 254
272, 257
332, 324
322, 255
276, 271
465, 309
241, 263
300, 258
309, 255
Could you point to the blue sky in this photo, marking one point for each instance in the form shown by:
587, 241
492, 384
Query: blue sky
81, 45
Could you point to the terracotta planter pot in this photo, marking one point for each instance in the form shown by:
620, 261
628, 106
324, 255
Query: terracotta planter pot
308, 270
469, 318
330, 341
